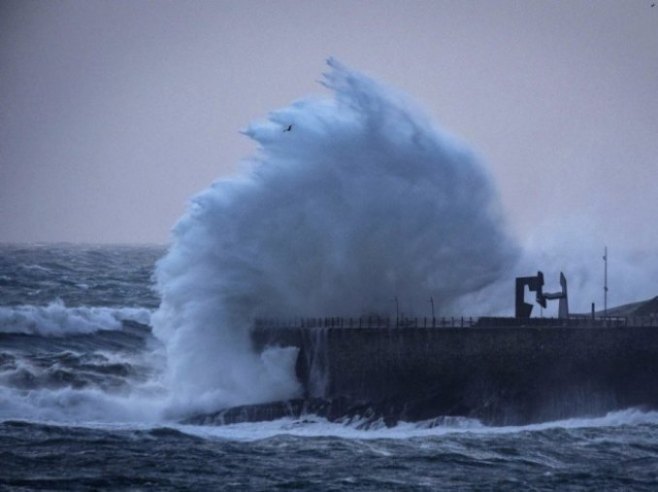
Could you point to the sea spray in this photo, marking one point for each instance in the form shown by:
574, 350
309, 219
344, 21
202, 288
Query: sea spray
351, 202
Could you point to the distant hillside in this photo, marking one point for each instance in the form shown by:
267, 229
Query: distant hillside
643, 308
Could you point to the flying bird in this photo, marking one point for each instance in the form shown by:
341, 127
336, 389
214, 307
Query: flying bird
288, 129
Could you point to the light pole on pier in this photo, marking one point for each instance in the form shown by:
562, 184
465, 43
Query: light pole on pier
432, 302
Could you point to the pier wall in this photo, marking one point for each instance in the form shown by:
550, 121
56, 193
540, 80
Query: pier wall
501, 374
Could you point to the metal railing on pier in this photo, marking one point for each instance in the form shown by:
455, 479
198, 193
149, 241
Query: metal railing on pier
385, 322
365, 322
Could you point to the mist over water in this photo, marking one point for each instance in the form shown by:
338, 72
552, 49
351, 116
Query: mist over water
351, 201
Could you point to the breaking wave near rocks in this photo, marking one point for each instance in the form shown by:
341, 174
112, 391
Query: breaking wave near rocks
351, 201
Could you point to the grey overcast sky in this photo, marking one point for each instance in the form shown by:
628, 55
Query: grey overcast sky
114, 113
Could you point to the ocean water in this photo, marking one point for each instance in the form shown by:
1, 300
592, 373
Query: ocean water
83, 407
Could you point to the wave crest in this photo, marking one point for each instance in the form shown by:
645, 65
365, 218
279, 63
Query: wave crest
57, 320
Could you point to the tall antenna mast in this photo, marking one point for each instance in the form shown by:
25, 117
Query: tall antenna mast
605, 281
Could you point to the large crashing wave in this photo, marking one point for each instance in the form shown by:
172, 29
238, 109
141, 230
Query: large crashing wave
351, 202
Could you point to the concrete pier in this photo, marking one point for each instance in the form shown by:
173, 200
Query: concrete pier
497, 370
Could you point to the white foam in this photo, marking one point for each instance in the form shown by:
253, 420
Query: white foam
133, 397
79, 406
56, 319
319, 427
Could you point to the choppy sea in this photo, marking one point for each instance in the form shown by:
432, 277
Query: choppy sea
81, 409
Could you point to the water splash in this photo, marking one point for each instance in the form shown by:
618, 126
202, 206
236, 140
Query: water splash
351, 202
